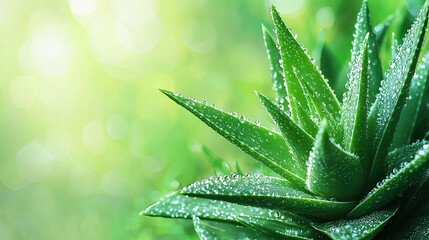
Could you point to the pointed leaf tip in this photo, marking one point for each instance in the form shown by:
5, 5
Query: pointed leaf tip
332, 172
262, 144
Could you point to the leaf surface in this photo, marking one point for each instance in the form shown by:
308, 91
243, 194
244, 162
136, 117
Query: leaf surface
264, 145
333, 172
295, 57
298, 140
408, 118
267, 192
394, 184
363, 27
362, 228
276, 68
356, 105
415, 227
386, 111
212, 230
182, 206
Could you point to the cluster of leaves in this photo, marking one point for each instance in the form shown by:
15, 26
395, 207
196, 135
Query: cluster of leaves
342, 171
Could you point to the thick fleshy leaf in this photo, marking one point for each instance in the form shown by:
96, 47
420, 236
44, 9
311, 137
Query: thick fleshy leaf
386, 111
394, 184
298, 140
415, 194
356, 106
213, 230
276, 67
267, 192
332, 123
333, 172
409, 114
220, 167
381, 29
294, 56
299, 107
414, 227
182, 206
402, 155
363, 27
362, 228
264, 145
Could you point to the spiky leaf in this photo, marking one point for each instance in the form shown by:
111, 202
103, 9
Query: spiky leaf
363, 28
394, 184
267, 192
276, 69
356, 105
409, 114
212, 230
182, 206
294, 57
415, 227
362, 228
298, 140
333, 172
386, 111
264, 145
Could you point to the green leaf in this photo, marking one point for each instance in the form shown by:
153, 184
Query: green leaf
414, 195
409, 114
356, 106
363, 27
212, 230
362, 228
326, 60
220, 167
298, 140
381, 29
277, 74
394, 184
402, 155
386, 111
298, 105
395, 44
332, 122
294, 56
415, 227
264, 145
182, 206
267, 192
333, 172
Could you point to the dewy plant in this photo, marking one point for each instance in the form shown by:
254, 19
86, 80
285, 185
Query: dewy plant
351, 170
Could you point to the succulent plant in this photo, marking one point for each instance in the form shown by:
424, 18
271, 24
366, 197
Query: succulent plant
352, 170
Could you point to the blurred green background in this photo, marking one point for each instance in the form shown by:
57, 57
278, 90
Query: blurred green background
87, 140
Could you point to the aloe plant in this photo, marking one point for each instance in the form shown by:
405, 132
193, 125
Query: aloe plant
351, 170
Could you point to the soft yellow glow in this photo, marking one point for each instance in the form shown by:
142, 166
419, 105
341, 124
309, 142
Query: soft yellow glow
288, 6
94, 137
51, 51
104, 40
83, 7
